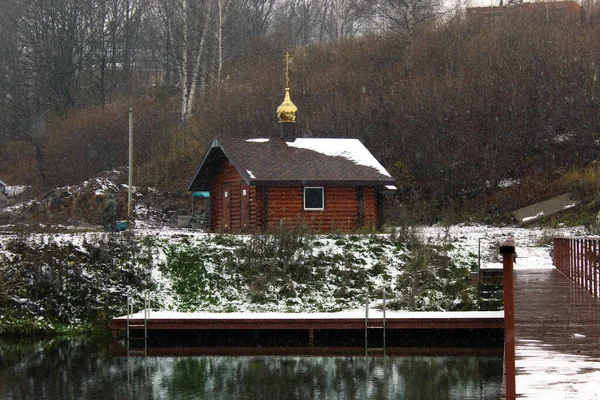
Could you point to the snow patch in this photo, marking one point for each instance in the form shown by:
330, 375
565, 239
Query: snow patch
12, 191
258, 140
536, 216
505, 183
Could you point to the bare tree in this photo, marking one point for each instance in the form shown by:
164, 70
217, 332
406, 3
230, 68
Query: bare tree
302, 20
258, 15
404, 15
187, 26
345, 18
224, 7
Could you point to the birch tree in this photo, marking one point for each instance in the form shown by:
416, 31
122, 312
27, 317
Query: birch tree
188, 25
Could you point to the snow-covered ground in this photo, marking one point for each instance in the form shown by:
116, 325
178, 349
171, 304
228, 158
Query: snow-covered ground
532, 245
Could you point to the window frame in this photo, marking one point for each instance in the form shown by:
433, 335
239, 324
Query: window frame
322, 198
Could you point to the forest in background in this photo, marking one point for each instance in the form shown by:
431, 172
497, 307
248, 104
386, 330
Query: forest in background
455, 106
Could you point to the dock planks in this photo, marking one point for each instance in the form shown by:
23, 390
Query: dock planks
551, 309
557, 337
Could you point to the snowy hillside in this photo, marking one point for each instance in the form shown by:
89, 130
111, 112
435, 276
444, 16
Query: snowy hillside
81, 278
83, 205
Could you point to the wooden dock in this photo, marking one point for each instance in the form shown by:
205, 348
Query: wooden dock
326, 329
557, 337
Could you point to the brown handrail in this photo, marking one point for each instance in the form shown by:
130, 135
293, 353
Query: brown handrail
577, 259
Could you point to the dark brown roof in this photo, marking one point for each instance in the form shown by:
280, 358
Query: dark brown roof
303, 161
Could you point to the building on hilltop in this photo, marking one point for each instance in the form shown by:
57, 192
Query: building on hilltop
262, 184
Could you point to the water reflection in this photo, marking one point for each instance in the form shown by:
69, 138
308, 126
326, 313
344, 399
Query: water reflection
81, 369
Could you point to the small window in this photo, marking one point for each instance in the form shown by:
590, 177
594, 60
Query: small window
313, 198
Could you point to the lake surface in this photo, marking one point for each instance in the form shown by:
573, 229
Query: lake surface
86, 369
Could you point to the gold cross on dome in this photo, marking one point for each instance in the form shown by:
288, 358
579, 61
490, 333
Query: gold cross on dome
287, 60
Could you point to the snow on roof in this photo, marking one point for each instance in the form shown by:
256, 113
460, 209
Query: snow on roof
350, 149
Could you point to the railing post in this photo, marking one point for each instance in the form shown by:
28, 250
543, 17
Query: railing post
580, 261
588, 267
507, 249
583, 267
557, 254
573, 262
595, 266
563, 257
577, 274
572, 251
584, 243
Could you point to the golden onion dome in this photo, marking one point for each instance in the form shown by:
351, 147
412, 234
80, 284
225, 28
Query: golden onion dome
287, 110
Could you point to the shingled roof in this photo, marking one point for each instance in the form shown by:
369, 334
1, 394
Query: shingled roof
303, 161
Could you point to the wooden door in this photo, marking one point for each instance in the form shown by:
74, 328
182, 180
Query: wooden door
226, 194
244, 206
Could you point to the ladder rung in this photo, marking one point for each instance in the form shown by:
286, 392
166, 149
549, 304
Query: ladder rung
136, 326
375, 350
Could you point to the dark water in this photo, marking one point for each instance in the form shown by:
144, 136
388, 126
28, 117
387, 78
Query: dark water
85, 369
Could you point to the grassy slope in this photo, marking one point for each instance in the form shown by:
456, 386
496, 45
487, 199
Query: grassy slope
51, 281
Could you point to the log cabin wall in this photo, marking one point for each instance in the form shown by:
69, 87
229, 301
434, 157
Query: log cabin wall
341, 213
227, 180
285, 206
370, 218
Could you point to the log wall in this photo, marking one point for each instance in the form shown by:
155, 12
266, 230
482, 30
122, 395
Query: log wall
286, 207
341, 213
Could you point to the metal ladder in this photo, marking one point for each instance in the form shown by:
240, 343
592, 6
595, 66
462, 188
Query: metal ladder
374, 349
137, 325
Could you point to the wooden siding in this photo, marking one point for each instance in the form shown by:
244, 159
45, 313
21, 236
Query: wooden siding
286, 207
227, 177
370, 207
341, 211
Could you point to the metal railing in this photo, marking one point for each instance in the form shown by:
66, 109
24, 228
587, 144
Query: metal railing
577, 259
375, 326
135, 324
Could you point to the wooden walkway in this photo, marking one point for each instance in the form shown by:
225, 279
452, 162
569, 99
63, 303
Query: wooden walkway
557, 337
